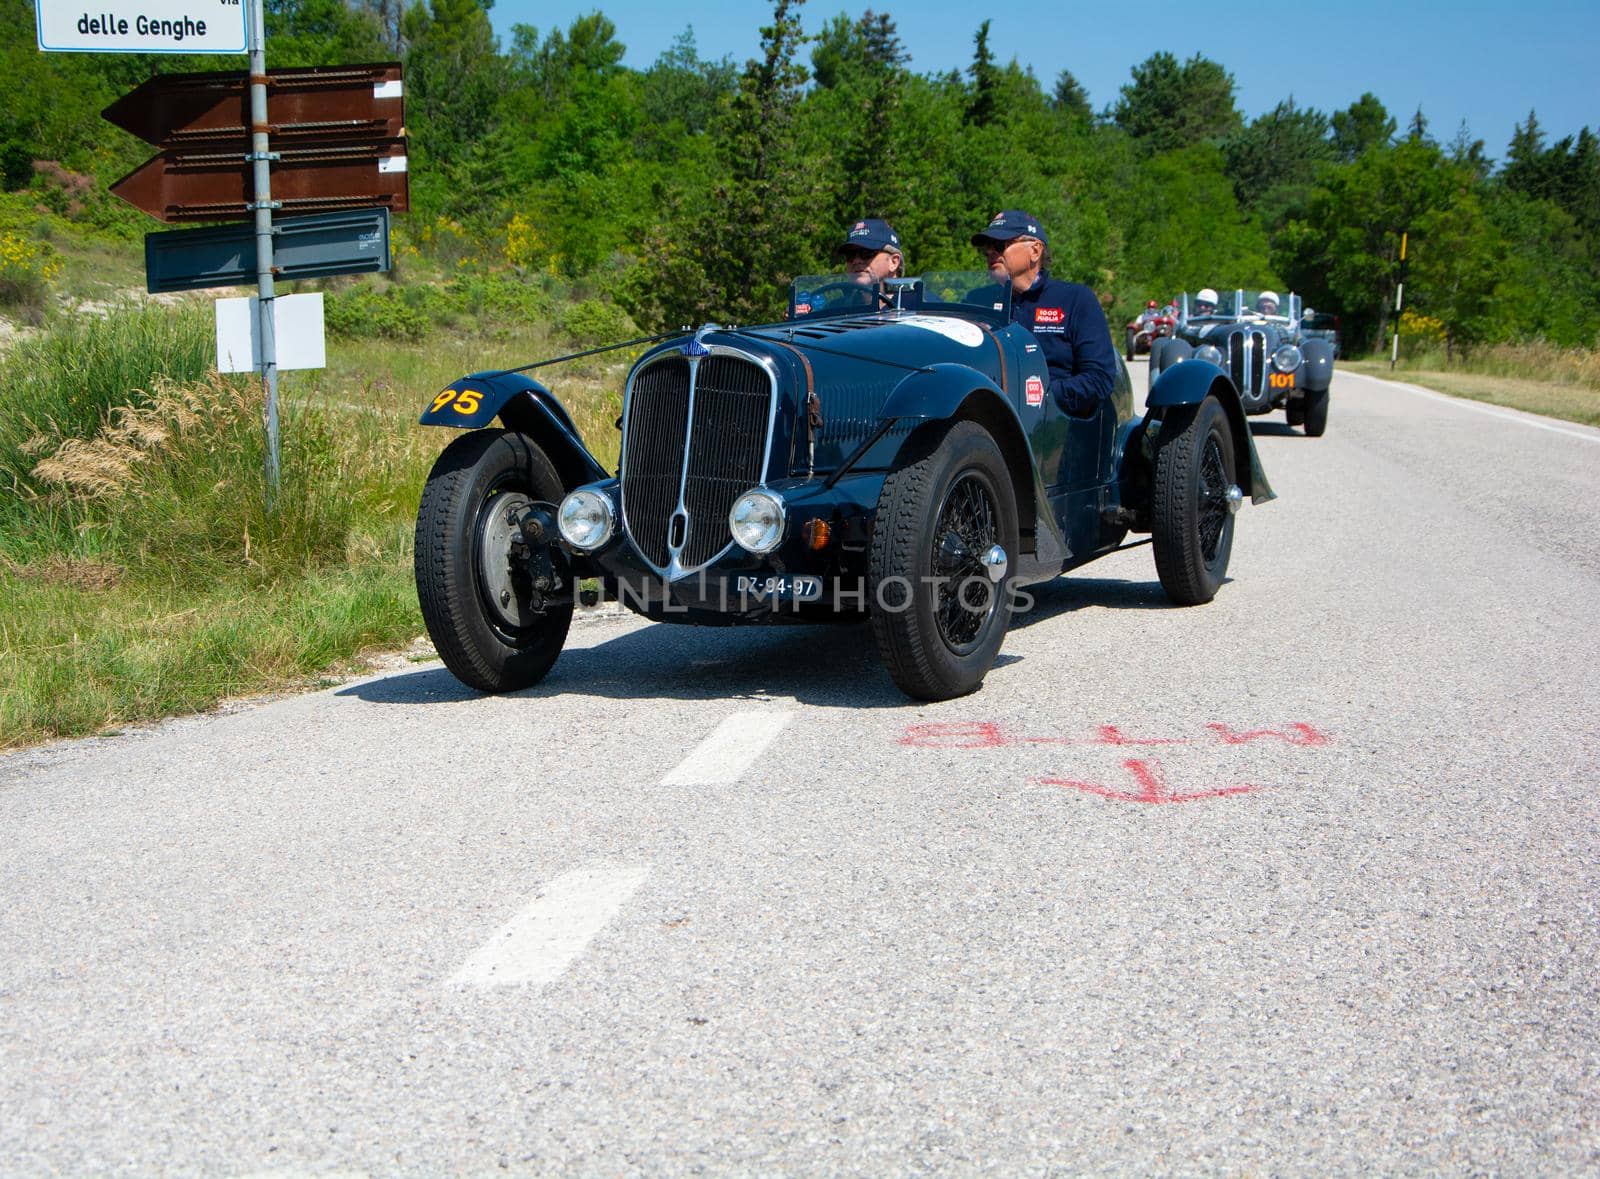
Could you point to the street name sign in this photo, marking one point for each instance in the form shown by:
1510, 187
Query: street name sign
142, 26
354, 242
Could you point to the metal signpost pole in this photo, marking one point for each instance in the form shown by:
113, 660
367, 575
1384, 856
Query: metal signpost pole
261, 159
1399, 294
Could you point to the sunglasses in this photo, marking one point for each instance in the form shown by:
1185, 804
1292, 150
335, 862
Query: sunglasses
990, 246
859, 253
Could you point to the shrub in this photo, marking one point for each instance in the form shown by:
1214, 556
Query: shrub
366, 313
593, 323
26, 271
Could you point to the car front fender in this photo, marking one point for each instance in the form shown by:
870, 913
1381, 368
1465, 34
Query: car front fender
1190, 382
524, 405
1317, 372
953, 392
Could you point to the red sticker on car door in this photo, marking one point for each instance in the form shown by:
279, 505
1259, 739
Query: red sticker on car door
1035, 389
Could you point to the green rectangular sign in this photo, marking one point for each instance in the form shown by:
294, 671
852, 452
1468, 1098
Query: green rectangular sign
323, 244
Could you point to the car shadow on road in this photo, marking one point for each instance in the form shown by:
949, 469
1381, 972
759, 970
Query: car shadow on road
1275, 430
1066, 594
828, 666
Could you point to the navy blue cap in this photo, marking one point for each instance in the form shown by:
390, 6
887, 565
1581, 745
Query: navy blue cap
871, 233
1009, 224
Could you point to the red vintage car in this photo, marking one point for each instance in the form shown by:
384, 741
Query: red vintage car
1148, 327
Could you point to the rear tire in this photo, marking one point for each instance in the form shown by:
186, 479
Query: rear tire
1129, 349
479, 606
1192, 519
937, 615
1316, 420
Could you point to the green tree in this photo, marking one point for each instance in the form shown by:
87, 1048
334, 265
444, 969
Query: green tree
1360, 127
322, 32
985, 80
1344, 253
1281, 150
1168, 105
1070, 98
731, 253
454, 79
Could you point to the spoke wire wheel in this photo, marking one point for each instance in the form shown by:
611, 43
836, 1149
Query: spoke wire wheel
967, 528
476, 601
1192, 525
1212, 491
937, 616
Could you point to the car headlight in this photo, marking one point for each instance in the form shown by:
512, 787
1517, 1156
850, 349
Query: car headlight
1286, 359
1208, 352
585, 520
756, 520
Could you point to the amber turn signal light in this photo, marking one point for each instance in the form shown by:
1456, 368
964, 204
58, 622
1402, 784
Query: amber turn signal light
816, 534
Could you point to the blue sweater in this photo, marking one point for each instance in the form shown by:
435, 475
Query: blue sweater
1071, 329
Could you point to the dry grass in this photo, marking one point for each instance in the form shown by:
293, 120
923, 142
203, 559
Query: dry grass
1568, 400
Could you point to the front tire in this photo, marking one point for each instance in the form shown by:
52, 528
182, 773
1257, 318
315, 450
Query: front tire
1316, 420
940, 605
1190, 501
1131, 347
480, 607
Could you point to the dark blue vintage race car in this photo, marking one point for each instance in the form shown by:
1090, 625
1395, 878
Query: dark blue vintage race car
889, 454
1264, 347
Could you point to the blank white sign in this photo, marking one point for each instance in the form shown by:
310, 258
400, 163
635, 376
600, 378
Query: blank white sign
298, 331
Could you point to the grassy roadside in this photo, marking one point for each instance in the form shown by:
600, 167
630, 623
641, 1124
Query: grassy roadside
1534, 378
144, 576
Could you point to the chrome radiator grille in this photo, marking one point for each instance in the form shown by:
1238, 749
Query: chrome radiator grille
1247, 362
695, 438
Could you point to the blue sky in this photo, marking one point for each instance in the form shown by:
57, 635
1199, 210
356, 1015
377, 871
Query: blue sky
1487, 63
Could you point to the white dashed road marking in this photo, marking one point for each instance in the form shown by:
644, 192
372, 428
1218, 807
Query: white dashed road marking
730, 750
540, 942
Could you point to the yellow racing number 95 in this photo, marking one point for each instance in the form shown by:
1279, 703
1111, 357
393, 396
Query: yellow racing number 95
466, 401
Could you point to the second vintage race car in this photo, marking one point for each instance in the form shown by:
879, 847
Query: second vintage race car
890, 456
1143, 330
1270, 360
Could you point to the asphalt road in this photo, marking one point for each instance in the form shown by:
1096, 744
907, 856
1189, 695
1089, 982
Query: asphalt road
1302, 881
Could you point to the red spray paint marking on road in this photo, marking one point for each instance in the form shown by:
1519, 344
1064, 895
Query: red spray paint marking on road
1152, 786
1303, 735
990, 735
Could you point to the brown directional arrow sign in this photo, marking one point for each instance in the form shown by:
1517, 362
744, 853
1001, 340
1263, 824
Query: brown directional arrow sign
337, 134
321, 101
203, 183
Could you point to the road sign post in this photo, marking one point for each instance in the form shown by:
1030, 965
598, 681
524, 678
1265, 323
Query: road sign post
312, 140
260, 157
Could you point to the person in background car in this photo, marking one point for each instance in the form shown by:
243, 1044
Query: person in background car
1205, 303
1267, 302
1064, 316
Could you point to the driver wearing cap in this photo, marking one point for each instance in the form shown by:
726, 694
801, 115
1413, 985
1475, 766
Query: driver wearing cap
1064, 316
1205, 303
871, 251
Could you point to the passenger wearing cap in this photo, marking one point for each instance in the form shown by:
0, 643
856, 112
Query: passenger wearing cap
1267, 302
1065, 316
1205, 303
871, 251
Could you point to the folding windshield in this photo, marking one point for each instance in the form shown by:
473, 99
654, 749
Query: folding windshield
1244, 304
970, 292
